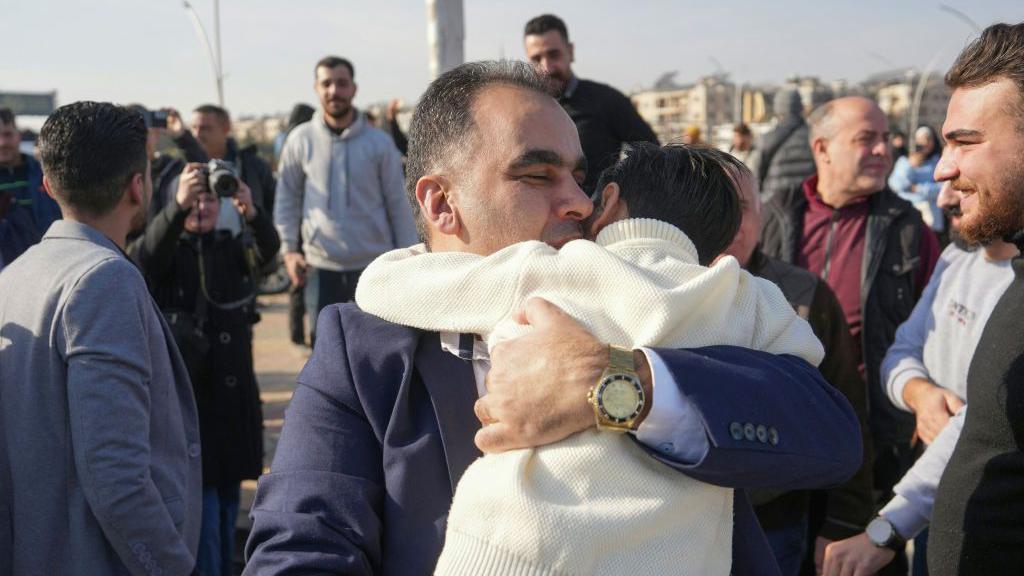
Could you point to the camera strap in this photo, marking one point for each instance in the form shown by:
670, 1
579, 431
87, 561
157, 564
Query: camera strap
204, 294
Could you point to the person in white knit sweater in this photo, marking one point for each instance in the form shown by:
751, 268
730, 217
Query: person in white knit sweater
641, 282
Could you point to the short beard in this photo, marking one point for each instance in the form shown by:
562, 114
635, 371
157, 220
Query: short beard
1001, 217
140, 218
954, 231
138, 223
556, 86
338, 115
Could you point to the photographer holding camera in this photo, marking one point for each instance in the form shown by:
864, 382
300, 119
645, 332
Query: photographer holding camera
209, 138
204, 281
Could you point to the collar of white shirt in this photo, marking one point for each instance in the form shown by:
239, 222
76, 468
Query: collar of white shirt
470, 348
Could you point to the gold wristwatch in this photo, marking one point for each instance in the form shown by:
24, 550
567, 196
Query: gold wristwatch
618, 398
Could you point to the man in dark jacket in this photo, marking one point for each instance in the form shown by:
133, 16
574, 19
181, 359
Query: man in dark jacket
791, 520
21, 185
604, 117
784, 156
871, 247
204, 282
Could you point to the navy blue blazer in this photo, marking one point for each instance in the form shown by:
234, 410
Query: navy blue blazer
381, 425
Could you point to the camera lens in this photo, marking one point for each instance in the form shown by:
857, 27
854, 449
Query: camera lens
223, 183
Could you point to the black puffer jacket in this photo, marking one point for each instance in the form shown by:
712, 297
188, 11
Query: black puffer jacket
786, 158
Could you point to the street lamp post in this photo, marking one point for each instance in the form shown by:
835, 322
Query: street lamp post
960, 15
923, 80
214, 54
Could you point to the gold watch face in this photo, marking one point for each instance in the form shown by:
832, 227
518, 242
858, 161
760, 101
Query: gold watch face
620, 397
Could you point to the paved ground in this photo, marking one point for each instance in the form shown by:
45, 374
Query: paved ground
277, 361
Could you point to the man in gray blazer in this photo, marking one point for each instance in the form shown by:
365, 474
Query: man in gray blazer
99, 439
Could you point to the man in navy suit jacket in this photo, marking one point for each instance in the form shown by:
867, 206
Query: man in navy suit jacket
381, 425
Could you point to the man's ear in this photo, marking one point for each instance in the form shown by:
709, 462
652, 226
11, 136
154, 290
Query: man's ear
433, 195
611, 209
572, 52
48, 187
819, 147
136, 192
355, 89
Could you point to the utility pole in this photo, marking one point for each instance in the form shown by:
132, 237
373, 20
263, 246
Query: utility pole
220, 60
445, 35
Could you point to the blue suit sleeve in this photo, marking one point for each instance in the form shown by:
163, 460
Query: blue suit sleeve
318, 510
771, 421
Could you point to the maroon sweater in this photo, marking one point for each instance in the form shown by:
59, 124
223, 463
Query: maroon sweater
832, 246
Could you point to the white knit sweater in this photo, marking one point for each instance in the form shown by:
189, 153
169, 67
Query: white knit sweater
594, 503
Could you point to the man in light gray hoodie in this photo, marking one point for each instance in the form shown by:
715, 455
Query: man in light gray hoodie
339, 186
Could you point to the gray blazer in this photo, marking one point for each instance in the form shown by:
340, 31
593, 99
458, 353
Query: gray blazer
99, 438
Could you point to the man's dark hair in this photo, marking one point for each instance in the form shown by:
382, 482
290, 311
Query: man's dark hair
742, 129
221, 114
90, 152
545, 23
6, 116
690, 187
440, 130
997, 53
332, 62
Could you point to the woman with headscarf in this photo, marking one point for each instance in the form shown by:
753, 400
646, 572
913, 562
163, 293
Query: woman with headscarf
912, 178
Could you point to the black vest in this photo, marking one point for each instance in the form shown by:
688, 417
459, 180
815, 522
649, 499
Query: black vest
978, 519
888, 288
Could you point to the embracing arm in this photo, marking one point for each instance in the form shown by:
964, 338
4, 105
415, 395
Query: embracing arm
811, 436
538, 383
318, 510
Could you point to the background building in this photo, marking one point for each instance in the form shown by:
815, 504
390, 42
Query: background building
895, 90
669, 107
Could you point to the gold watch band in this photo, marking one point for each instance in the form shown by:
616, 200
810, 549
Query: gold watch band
620, 359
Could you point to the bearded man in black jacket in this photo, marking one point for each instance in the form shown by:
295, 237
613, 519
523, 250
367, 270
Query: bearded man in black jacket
604, 117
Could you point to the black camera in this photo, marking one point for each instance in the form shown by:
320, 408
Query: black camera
154, 118
221, 178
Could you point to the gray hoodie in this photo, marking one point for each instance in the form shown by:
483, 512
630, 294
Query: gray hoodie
345, 192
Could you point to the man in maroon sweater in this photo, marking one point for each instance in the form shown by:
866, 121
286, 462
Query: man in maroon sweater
870, 246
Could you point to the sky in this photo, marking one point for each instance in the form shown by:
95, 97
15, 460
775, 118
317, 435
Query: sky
148, 51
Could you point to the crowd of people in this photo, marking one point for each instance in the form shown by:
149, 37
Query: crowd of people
542, 341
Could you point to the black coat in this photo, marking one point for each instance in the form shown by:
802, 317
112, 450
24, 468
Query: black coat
219, 358
848, 507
